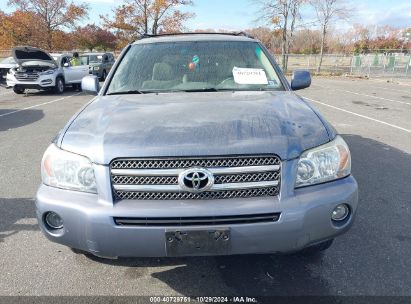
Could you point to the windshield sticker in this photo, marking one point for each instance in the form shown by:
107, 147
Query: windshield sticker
249, 76
272, 83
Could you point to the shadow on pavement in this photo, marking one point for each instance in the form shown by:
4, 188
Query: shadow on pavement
18, 119
17, 214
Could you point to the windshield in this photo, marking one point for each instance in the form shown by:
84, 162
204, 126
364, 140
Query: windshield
95, 58
194, 66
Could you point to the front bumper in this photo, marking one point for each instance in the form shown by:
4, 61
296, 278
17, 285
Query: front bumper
305, 220
97, 73
43, 82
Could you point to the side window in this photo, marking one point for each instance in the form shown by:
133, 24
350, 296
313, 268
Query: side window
65, 60
84, 60
105, 58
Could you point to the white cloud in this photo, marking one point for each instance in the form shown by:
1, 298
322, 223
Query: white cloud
396, 15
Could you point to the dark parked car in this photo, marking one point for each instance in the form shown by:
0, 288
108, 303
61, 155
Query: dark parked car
100, 64
196, 145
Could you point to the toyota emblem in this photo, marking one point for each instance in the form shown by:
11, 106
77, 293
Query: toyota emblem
196, 180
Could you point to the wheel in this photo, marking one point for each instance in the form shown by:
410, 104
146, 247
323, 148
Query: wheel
103, 77
18, 90
317, 248
59, 88
79, 251
77, 87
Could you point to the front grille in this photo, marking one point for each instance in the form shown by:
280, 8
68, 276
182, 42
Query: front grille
26, 76
195, 162
234, 177
196, 221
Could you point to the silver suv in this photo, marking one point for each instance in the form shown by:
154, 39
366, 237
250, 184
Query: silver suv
100, 64
196, 145
36, 69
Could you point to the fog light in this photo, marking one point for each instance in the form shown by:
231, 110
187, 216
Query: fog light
340, 213
53, 220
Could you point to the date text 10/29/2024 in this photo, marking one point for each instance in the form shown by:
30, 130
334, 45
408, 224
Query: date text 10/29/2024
176, 299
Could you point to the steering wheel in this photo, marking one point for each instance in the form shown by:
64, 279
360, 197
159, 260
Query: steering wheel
225, 81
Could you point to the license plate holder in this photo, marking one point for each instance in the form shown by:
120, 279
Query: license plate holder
197, 242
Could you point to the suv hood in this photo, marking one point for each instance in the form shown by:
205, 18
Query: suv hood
31, 56
194, 124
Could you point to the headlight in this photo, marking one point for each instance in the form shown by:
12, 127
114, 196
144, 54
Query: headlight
67, 170
48, 72
324, 163
96, 68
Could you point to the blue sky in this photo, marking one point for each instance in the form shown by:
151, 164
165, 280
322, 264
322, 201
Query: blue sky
241, 14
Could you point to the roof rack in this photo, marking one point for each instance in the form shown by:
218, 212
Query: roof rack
198, 33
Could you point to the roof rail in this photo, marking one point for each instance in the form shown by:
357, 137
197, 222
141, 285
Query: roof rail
145, 35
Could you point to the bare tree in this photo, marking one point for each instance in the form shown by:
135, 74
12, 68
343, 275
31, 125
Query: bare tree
283, 14
328, 11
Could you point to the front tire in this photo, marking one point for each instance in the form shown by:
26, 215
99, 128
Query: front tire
18, 90
80, 252
317, 248
104, 75
59, 88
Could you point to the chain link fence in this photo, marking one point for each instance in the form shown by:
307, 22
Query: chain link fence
379, 65
370, 65
336, 64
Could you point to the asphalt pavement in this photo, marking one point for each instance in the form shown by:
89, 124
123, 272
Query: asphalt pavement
373, 258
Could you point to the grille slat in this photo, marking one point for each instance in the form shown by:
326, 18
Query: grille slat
193, 162
234, 177
197, 221
273, 191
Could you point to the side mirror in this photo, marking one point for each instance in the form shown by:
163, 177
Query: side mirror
90, 85
301, 79
66, 65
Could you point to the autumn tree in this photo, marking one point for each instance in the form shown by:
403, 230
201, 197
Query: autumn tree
53, 14
282, 14
328, 11
17, 29
63, 41
92, 37
307, 41
265, 35
134, 18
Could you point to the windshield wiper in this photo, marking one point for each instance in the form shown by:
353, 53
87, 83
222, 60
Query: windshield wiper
201, 90
127, 92
132, 92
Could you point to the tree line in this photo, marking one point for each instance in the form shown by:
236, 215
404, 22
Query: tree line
55, 25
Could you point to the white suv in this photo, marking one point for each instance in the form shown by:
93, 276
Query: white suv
39, 70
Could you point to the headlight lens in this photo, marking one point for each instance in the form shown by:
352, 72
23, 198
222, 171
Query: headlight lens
96, 68
324, 163
48, 72
67, 170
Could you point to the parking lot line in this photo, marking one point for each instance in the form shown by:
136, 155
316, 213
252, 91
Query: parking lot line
359, 115
365, 95
6, 93
39, 105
